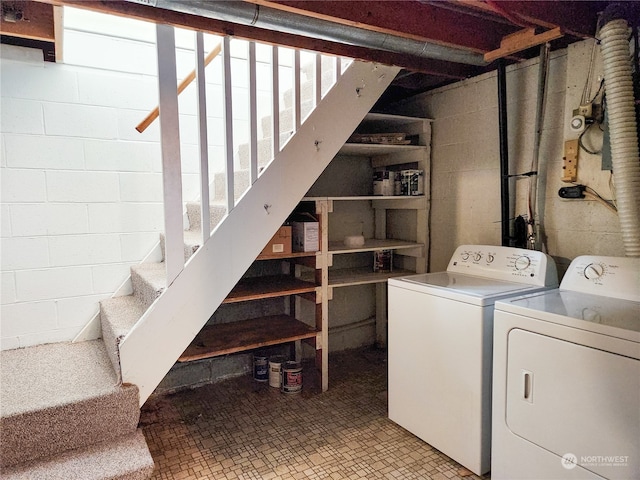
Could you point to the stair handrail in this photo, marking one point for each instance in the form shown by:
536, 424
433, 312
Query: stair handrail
149, 119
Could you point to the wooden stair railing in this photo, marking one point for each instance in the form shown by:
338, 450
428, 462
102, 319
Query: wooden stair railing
148, 120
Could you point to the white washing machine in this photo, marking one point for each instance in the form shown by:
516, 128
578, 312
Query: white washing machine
566, 377
440, 345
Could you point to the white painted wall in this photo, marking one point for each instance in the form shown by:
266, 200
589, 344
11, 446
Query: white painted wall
465, 160
81, 189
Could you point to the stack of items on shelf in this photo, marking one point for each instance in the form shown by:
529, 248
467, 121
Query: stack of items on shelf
380, 138
401, 182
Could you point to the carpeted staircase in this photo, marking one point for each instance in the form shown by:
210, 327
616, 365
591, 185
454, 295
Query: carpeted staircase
64, 412
65, 415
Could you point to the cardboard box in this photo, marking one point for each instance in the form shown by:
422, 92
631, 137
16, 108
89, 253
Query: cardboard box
306, 234
280, 243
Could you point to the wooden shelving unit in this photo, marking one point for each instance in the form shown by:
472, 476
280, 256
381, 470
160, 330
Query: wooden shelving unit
409, 243
313, 275
373, 244
257, 288
344, 277
227, 338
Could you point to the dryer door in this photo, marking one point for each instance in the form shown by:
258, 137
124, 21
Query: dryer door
577, 402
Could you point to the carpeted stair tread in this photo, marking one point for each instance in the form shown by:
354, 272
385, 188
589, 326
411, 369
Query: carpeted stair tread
125, 458
192, 241
121, 313
118, 315
33, 378
216, 212
149, 281
59, 397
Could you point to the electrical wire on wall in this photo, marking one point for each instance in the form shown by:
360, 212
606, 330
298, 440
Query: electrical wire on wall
533, 237
597, 119
593, 108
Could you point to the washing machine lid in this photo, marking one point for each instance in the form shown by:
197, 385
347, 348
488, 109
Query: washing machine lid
463, 288
609, 316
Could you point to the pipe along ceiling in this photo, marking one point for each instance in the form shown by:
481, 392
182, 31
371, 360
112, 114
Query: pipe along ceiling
271, 19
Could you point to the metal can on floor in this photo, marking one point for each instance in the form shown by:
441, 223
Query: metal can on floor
260, 368
291, 378
275, 370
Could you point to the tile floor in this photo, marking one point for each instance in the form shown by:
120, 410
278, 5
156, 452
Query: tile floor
241, 429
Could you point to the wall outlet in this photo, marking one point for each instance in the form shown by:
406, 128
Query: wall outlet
586, 110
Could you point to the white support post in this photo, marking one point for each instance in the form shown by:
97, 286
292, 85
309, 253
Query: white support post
253, 114
275, 112
297, 101
205, 219
228, 122
170, 144
318, 80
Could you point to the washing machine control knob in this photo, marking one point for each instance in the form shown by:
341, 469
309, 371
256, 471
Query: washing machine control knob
465, 255
477, 257
593, 271
522, 262
490, 258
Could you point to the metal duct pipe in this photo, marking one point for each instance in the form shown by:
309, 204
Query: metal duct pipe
623, 129
504, 153
271, 19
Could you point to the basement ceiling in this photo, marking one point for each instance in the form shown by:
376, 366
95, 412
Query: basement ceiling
487, 29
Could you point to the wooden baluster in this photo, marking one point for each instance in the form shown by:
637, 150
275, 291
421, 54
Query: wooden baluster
297, 101
205, 219
275, 113
253, 114
170, 143
228, 121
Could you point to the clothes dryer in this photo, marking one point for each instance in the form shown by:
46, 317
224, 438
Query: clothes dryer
566, 376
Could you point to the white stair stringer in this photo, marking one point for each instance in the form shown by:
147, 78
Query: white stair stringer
151, 348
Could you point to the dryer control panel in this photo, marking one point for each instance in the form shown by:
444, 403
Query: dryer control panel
616, 277
505, 263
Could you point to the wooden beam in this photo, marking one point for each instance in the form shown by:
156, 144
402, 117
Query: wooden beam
217, 27
521, 40
36, 21
404, 18
576, 18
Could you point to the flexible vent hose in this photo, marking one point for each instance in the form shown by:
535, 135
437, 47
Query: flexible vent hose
616, 56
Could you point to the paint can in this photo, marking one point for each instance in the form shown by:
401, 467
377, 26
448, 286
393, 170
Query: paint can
383, 261
383, 182
260, 368
291, 377
412, 182
275, 370
397, 183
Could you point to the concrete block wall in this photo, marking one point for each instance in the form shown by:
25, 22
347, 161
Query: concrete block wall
465, 179
81, 189
81, 200
81, 193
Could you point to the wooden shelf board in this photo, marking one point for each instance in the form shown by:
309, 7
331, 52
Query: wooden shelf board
256, 288
227, 338
365, 197
371, 245
373, 149
280, 256
389, 118
344, 277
